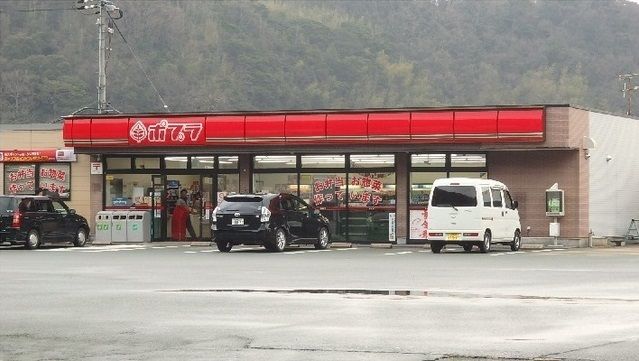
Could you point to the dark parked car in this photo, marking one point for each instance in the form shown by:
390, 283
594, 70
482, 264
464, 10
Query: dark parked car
271, 220
33, 220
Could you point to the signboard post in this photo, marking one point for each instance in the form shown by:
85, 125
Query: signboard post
554, 208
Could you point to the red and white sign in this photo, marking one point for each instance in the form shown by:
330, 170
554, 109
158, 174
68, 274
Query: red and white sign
37, 156
166, 131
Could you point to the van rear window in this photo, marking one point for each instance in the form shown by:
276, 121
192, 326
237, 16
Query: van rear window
455, 196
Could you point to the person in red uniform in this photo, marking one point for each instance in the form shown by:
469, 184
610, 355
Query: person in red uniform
179, 220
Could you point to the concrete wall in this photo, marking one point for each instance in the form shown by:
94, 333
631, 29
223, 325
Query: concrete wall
614, 182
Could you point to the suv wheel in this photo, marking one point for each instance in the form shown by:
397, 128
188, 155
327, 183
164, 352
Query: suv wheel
279, 241
484, 246
516, 243
33, 240
224, 246
80, 238
322, 239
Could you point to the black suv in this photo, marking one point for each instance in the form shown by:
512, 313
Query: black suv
33, 220
271, 220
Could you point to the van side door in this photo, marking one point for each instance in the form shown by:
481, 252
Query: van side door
498, 213
511, 221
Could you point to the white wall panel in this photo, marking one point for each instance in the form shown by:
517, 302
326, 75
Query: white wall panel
614, 183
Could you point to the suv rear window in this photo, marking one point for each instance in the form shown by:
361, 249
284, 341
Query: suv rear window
456, 196
6, 204
248, 203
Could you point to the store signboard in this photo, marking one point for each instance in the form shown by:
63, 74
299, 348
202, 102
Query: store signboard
37, 156
96, 168
169, 131
328, 191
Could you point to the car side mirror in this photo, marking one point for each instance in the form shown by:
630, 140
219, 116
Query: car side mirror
71, 211
515, 204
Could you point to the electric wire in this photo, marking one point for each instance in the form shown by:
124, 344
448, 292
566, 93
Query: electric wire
166, 107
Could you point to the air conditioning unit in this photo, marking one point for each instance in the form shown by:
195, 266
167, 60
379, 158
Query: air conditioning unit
65, 155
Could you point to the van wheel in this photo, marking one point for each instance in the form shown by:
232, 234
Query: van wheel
80, 238
516, 243
322, 239
468, 247
33, 240
436, 247
224, 246
279, 241
484, 246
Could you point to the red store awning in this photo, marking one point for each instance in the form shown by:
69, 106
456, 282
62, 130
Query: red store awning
496, 125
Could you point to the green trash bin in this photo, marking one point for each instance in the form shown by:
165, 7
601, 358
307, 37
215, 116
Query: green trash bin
103, 227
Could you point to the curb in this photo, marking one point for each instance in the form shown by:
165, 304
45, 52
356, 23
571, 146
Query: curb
201, 244
341, 245
381, 245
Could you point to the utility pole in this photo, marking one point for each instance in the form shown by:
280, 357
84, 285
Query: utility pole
104, 10
628, 89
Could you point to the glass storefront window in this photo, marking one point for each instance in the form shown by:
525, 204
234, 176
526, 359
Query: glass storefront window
371, 189
19, 178
323, 161
468, 160
275, 183
147, 163
482, 175
56, 178
428, 160
327, 192
176, 162
274, 161
227, 184
372, 160
420, 186
118, 163
203, 162
228, 162
126, 190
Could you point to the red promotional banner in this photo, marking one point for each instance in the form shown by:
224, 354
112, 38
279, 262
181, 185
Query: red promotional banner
28, 156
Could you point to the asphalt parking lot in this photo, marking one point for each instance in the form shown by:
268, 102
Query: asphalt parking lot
174, 301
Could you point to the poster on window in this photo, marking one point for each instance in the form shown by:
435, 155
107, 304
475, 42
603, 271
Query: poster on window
56, 179
19, 178
419, 223
366, 189
328, 191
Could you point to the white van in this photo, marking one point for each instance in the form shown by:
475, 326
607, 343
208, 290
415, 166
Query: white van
472, 212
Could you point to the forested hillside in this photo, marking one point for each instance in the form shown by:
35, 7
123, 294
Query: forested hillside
268, 55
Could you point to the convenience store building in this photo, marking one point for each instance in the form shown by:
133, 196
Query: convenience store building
368, 170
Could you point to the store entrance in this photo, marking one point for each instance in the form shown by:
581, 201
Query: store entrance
190, 201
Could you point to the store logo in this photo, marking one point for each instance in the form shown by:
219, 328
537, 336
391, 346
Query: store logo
163, 131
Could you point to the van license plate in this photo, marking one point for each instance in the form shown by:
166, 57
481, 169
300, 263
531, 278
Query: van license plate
237, 221
453, 236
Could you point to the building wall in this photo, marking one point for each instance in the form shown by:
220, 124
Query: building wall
52, 139
614, 175
528, 175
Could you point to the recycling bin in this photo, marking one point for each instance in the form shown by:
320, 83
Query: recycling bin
103, 227
118, 233
138, 226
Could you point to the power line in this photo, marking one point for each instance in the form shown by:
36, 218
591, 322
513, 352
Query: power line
166, 107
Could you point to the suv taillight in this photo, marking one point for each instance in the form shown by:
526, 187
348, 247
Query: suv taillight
214, 220
265, 214
17, 220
